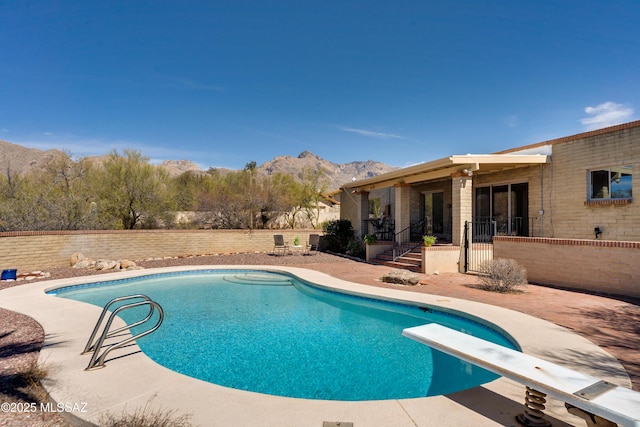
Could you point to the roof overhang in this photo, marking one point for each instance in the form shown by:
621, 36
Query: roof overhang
448, 167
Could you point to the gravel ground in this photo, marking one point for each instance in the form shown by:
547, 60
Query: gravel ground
21, 337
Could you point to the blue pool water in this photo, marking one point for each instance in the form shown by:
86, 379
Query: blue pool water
272, 333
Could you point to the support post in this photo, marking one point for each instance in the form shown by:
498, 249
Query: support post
591, 419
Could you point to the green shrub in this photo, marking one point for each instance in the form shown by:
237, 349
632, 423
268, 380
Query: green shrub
502, 275
429, 240
370, 239
356, 249
338, 234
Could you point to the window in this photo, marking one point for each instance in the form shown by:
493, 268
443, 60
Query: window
610, 183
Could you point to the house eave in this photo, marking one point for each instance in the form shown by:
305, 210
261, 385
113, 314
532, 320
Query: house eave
447, 167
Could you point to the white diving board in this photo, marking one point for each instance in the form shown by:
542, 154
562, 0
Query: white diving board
595, 397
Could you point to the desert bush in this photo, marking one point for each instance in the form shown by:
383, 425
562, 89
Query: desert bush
356, 249
502, 275
338, 235
147, 417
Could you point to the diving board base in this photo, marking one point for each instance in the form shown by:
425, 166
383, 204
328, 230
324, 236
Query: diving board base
602, 404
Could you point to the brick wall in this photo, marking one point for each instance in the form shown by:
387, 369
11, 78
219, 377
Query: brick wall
610, 267
571, 163
39, 250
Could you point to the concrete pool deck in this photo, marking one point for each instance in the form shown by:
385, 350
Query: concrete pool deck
133, 381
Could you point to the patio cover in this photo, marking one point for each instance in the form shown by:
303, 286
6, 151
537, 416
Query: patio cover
447, 167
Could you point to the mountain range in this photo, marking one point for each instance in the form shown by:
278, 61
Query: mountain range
22, 160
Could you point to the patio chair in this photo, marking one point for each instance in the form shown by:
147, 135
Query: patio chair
313, 244
279, 245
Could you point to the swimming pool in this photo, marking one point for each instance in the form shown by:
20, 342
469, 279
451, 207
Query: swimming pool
273, 333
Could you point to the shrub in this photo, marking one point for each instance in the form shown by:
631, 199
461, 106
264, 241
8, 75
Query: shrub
30, 379
502, 275
429, 240
356, 249
147, 417
370, 239
338, 234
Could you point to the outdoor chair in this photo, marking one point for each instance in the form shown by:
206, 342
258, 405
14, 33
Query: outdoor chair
313, 244
279, 245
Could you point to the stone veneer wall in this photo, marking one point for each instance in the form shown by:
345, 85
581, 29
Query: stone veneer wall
610, 267
39, 250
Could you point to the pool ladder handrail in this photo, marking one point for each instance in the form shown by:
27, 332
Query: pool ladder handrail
97, 360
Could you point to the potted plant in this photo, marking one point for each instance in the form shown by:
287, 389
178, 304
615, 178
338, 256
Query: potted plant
296, 241
429, 240
370, 239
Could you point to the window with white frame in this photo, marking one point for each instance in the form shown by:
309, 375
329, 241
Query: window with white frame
610, 183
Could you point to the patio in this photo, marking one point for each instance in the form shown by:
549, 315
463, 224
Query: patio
611, 324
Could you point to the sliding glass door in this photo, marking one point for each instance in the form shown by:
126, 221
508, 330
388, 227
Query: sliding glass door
434, 213
507, 205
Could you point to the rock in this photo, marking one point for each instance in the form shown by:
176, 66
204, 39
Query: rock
105, 264
76, 257
80, 261
82, 264
126, 264
401, 277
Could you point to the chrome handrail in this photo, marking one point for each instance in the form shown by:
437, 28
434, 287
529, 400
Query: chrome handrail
97, 359
90, 346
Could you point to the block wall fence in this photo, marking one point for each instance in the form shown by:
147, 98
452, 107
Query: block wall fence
29, 251
609, 267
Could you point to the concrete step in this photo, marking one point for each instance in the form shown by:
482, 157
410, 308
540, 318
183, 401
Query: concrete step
402, 266
411, 261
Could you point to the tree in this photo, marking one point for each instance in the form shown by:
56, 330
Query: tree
314, 186
284, 196
131, 192
67, 196
54, 198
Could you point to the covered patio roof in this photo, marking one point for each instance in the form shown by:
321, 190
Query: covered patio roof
447, 167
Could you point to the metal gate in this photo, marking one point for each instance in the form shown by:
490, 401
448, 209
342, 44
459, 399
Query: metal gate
478, 244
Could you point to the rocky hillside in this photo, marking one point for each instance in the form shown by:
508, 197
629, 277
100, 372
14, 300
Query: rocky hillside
338, 174
19, 159
23, 160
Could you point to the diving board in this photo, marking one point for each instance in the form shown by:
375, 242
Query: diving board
608, 402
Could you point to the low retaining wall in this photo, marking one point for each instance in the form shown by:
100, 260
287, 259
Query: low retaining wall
30, 251
441, 259
603, 266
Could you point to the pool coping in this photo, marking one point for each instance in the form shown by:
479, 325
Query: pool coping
135, 381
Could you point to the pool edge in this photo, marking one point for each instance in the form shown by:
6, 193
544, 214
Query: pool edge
535, 337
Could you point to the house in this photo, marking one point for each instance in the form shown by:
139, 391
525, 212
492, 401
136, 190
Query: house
576, 189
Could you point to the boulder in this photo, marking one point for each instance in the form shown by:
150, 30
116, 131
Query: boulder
401, 277
126, 264
82, 264
76, 257
105, 264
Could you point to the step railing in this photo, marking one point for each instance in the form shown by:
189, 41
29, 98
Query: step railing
98, 359
404, 240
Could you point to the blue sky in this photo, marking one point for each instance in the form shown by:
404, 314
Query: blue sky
222, 83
